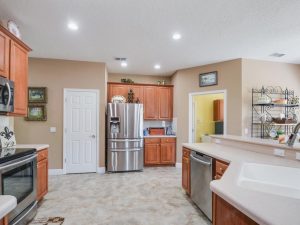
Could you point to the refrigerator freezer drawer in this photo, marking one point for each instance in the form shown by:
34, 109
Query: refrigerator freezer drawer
131, 159
125, 143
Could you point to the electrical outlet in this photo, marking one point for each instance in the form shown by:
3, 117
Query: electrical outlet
279, 152
52, 129
298, 155
163, 123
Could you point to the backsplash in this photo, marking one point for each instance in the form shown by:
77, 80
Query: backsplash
156, 123
6, 121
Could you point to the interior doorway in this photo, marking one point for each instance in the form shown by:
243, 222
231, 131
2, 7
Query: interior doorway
207, 115
81, 130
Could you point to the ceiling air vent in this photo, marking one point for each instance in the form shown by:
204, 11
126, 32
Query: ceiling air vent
120, 58
277, 55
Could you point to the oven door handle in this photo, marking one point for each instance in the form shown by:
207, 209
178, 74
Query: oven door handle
9, 93
18, 163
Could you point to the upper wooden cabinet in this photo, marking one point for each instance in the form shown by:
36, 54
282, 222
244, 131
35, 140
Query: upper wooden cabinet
157, 100
14, 66
19, 74
150, 103
4, 55
219, 110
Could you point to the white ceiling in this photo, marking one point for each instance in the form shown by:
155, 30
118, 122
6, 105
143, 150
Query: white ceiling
141, 30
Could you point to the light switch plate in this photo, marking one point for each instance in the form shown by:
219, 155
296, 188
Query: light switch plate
298, 155
279, 152
52, 129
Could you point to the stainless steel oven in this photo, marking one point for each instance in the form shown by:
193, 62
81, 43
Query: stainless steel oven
18, 178
6, 95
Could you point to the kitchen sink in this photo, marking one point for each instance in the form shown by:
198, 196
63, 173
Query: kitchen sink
277, 180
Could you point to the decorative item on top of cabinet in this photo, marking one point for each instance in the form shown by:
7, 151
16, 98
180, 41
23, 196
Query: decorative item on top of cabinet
186, 170
160, 151
226, 214
42, 173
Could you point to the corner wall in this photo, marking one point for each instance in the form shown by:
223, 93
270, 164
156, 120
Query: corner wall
57, 75
186, 81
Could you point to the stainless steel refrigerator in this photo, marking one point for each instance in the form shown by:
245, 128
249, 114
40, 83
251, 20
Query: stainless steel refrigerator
124, 133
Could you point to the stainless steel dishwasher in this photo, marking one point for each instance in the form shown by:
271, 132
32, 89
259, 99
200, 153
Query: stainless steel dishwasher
201, 176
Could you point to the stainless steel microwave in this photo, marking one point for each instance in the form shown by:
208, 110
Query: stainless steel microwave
6, 95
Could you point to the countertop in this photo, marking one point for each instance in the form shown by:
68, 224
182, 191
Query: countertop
160, 136
259, 141
264, 208
38, 147
7, 204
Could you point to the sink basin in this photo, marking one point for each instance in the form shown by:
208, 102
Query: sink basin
277, 180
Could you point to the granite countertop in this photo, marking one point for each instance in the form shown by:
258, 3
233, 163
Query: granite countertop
259, 141
38, 147
264, 208
7, 204
160, 136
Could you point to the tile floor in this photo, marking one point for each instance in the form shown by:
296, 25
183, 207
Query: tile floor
137, 198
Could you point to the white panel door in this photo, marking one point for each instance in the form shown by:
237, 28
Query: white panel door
81, 131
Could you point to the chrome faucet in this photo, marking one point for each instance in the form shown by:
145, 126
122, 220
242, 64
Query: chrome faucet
293, 136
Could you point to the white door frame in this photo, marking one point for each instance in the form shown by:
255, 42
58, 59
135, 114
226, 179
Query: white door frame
66, 90
224, 91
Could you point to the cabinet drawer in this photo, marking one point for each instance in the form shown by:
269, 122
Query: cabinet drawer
220, 167
152, 140
186, 153
43, 154
168, 140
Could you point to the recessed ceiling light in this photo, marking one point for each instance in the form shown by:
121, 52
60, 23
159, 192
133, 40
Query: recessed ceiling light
176, 36
72, 26
124, 64
157, 66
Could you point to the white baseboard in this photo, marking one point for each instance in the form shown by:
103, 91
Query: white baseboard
54, 172
101, 170
179, 165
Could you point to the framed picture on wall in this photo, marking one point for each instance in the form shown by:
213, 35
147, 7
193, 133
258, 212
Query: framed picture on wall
37, 95
208, 79
36, 113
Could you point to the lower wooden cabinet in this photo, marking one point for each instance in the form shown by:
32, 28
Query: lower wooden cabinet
4, 221
160, 151
42, 174
186, 170
226, 214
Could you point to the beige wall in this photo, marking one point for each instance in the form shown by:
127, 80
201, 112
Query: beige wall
257, 73
57, 75
187, 81
141, 79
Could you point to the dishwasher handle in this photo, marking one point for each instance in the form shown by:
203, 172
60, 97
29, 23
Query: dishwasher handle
200, 161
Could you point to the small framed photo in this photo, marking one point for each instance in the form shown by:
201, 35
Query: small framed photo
36, 113
37, 95
208, 79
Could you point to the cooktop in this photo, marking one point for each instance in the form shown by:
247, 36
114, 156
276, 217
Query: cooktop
8, 154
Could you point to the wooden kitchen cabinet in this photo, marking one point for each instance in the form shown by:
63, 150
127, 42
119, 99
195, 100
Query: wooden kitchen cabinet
42, 174
14, 65
151, 103
160, 151
4, 55
165, 103
117, 89
186, 170
219, 169
219, 110
226, 214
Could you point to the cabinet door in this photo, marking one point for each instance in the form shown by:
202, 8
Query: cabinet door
19, 74
219, 110
226, 214
117, 89
138, 92
150, 103
152, 154
167, 153
4, 55
165, 99
186, 175
42, 179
